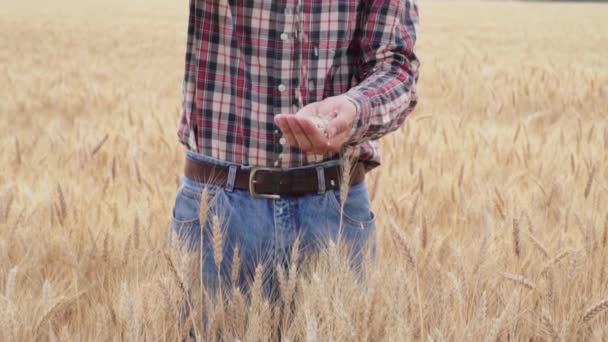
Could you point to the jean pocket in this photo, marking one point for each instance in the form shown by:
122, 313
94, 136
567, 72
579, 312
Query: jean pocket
187, 207
357, 212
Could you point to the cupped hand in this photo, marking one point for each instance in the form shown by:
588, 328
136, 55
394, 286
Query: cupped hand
306, 130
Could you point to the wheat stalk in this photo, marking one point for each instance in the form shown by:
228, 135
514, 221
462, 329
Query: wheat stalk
538, 245
293, 270
499, 321
99, 145
7, 207
554, 261
126, 255
114, 169
137, 172
461, 176
516, 135
573, 266
413, 211
18, 151
420, 181
344, 186
605, 234
456, 286
482, 312
136, 235
11, 281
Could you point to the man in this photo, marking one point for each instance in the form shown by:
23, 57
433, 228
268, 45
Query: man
274, 93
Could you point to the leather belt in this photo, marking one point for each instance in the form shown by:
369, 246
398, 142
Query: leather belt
273, 183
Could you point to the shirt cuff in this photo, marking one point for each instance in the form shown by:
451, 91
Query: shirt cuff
363, 105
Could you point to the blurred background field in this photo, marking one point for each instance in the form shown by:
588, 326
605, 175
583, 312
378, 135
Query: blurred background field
492, 201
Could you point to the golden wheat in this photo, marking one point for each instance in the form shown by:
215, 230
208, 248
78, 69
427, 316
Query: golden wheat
510, 138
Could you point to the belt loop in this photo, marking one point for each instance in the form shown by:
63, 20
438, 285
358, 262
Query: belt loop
231, 178
321, 178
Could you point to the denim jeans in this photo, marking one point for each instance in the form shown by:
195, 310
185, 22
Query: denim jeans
265, 229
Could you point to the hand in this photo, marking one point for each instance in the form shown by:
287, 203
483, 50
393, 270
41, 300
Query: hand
301, 130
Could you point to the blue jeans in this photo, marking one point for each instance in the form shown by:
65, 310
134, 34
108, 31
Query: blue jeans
265, 229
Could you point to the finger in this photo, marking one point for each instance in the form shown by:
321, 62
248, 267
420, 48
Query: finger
281, 121
337, 126
318, 140
298, 133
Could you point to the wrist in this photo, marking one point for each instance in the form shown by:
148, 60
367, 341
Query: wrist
361, 104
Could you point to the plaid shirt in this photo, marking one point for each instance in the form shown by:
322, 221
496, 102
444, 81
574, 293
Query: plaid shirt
247, 60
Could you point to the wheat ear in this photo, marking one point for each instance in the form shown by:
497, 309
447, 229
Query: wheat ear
236, 266
218, 251
553, 261
516, 241
595, 310
519, 279
548, 324
590, 181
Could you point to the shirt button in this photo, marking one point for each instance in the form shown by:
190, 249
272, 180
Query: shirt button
276, 131
276, 163
284, 36
282, 87
282, 141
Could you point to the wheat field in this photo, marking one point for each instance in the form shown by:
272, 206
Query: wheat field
492, 201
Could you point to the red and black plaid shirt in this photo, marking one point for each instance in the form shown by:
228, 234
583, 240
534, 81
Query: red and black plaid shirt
248, 60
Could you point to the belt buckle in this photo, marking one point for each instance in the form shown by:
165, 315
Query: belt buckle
252, 182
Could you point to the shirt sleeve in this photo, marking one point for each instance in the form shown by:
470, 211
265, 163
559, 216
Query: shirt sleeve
387, 67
